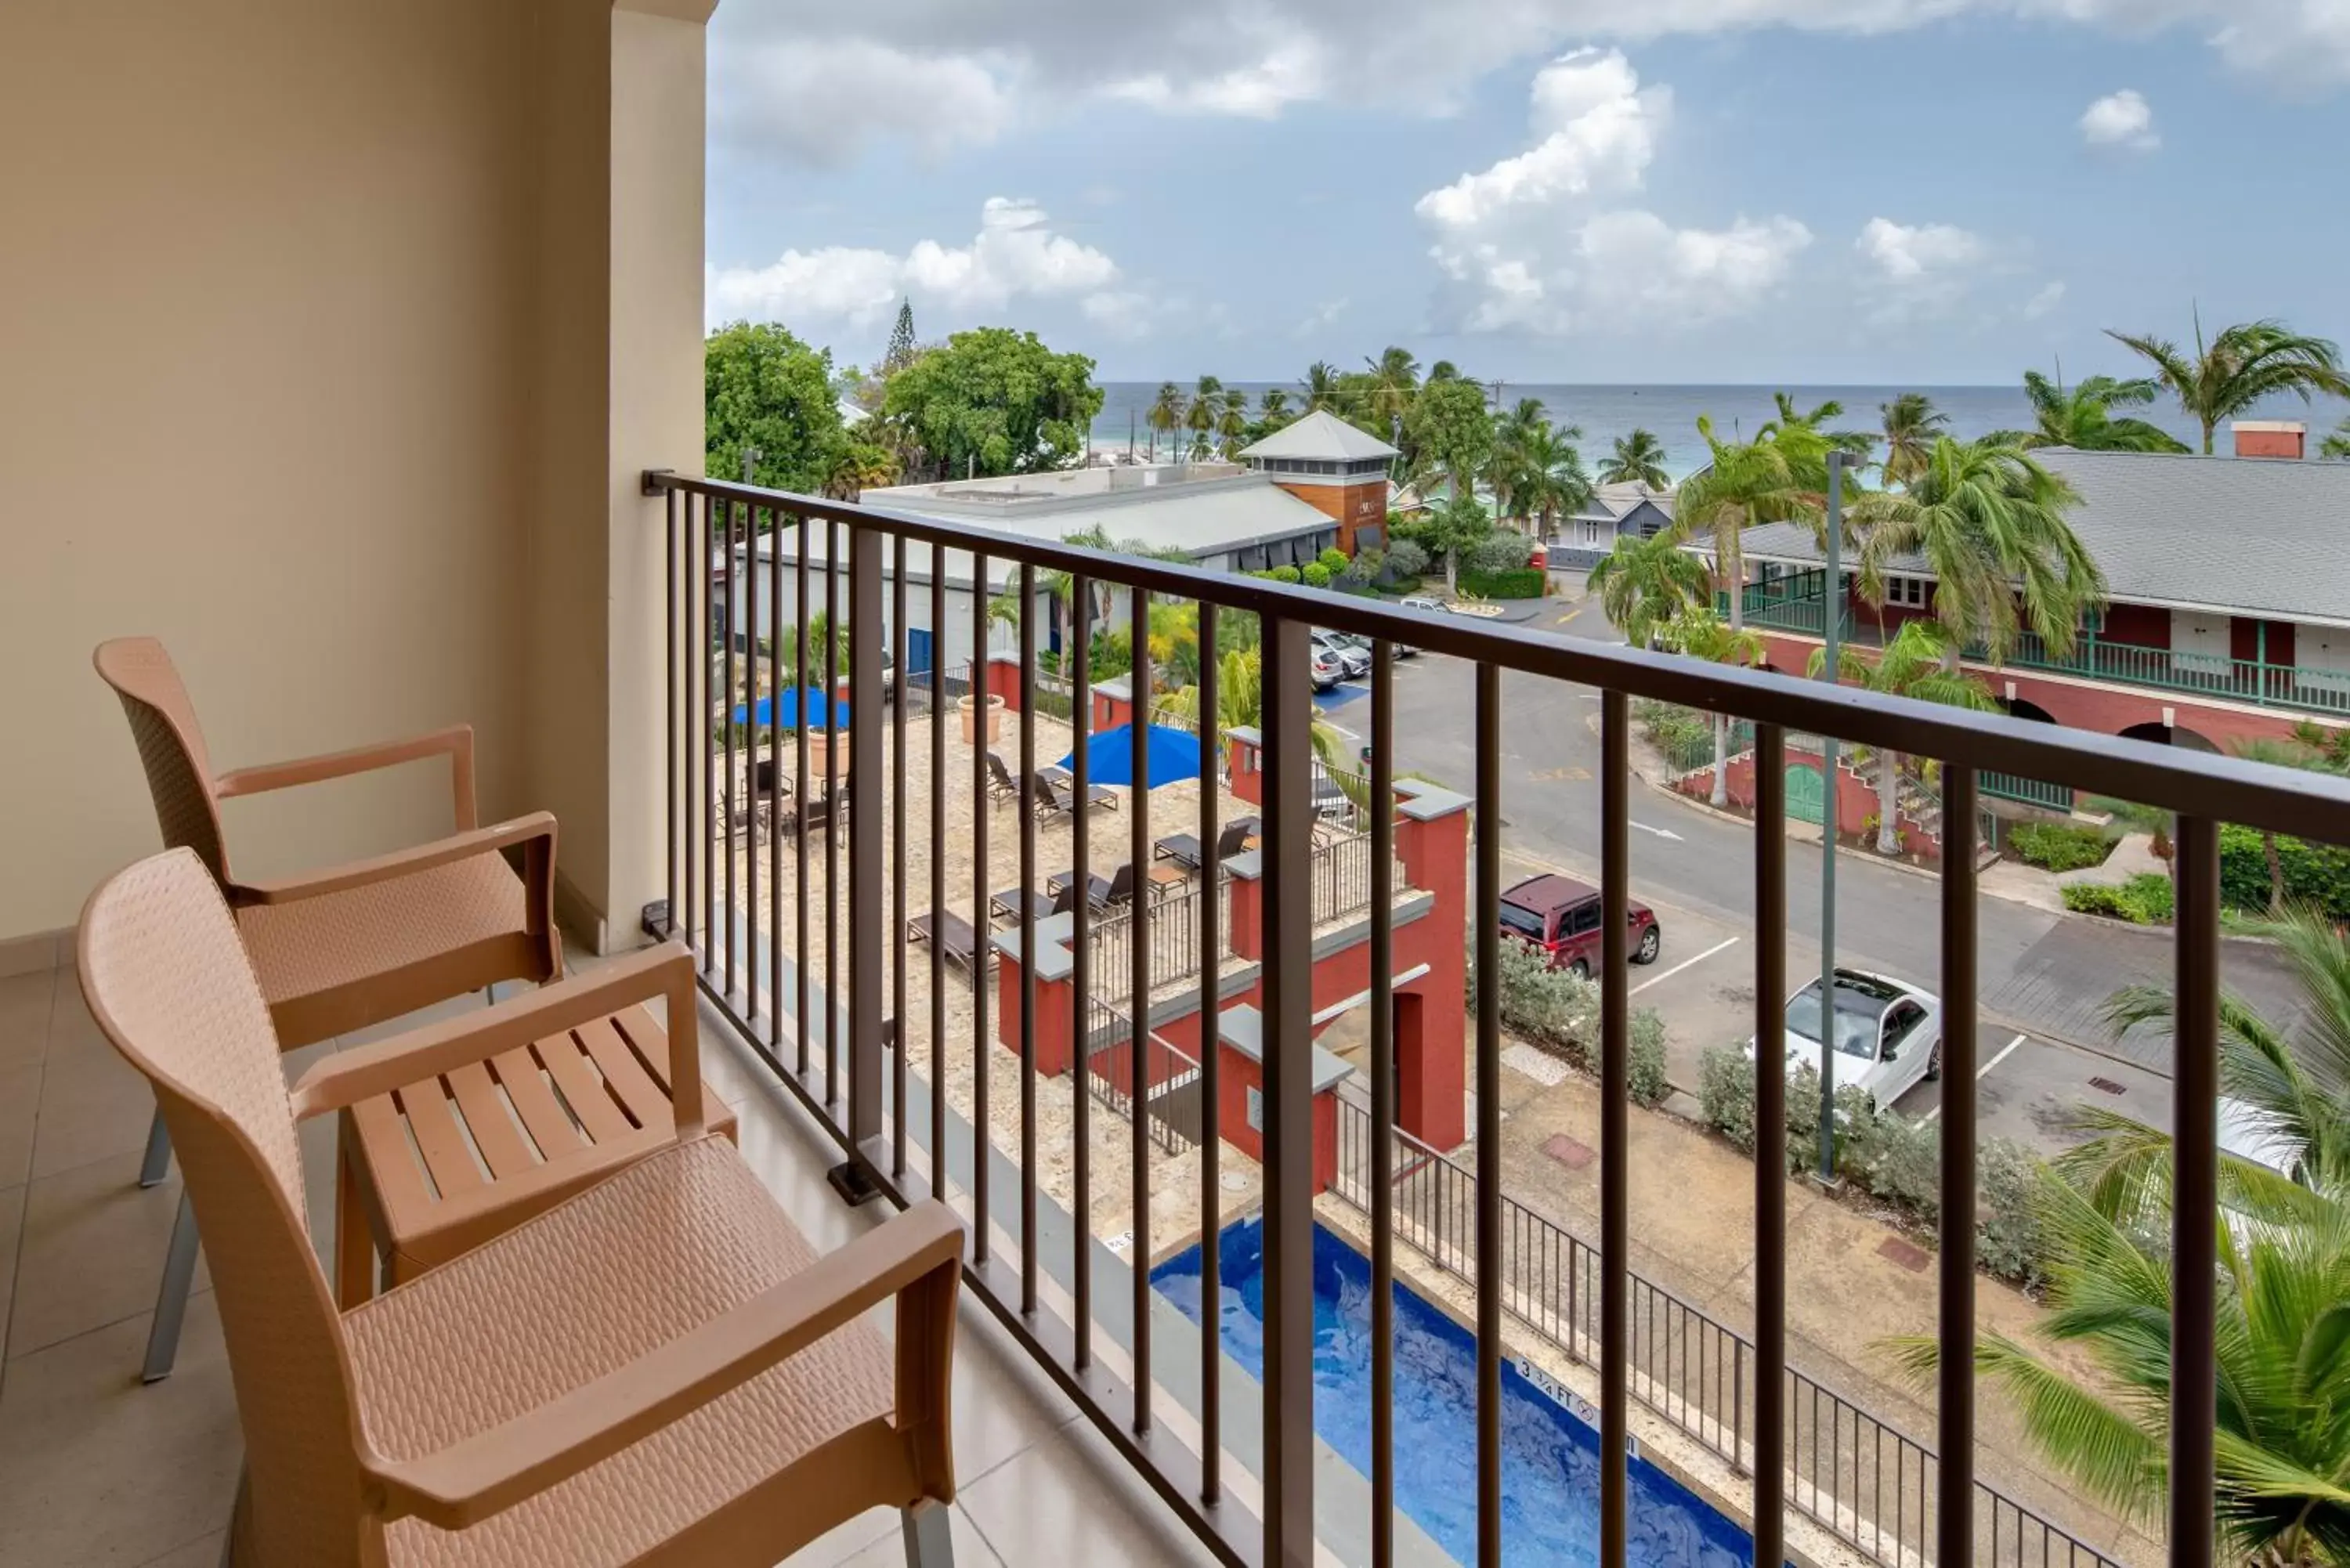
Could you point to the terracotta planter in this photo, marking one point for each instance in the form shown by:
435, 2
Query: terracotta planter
823, 746
994, 720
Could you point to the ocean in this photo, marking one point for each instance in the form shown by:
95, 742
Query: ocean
1603, 413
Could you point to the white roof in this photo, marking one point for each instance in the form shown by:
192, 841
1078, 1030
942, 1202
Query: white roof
851, 414
1320, 435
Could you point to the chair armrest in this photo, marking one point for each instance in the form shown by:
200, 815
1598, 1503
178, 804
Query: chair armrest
456, 742
522, 830
480, 1475
666, 971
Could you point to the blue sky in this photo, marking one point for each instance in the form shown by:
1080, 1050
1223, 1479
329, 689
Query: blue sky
1919, 192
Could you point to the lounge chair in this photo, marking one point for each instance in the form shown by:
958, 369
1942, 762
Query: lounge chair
1001, 785
1060, 899
1102, 892
957, 942
1058, 791
658, 1368
337, 949
1183, 848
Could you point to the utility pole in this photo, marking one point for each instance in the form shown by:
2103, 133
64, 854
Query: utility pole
1832, 619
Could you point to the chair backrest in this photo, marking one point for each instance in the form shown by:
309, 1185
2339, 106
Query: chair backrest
1235, 834
1064, 902
1121, 885
170, 746
1001, 775
169, 983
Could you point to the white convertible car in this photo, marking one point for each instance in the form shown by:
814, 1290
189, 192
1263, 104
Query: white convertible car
1887, 1033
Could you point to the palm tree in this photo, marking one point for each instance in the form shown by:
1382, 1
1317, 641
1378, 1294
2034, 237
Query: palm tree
2280, 1442
1232, 420
1395, 377
861, 466
1272, 409
1507, 467
1911, 423
2289, 1088
1744, 483
1990, 521
1643, 584
2335, 448
1639, 458
1548, 476
2082, 418
1791, 423
1699, 633
1320, 385
1916, 663
1207, 408
2243, 365
1166, 416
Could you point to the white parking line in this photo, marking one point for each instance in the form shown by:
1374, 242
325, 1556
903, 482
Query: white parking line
2004, 1052
1661, 979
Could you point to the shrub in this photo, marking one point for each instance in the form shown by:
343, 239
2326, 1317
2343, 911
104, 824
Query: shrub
1335, 560
2010, 1241
1894, 1158
1285, 574
1646, 1069
2315, 874
2143, 900
1316, 575
2059, 846
1525, 583
1503, 550
1725, 1093
1363, 569
1406, 558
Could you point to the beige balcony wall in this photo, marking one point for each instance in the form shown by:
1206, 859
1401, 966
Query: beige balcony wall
320, 360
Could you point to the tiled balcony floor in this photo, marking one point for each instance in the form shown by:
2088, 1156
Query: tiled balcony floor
96, 1468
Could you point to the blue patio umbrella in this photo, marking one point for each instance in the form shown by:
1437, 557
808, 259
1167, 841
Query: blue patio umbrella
1170, 755
807, 704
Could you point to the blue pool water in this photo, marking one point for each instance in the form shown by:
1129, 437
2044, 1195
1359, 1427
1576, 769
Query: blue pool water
1550, 1465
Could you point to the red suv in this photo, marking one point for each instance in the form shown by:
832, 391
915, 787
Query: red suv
1561, 916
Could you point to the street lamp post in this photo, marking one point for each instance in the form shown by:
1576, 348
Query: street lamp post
1832, 619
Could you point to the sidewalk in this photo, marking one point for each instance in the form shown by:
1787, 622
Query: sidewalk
1852, 1282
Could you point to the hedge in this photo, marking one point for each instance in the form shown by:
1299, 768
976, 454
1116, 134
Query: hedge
1891, 1157
2143, 900
1335, 560
1316, 575
2315, 874
1523, 584
1560, 1012
2059, 846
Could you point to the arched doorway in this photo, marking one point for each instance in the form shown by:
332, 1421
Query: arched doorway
2170, 735
2024, 707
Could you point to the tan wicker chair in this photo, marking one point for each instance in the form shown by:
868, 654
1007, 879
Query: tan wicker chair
658, 1371
340, 949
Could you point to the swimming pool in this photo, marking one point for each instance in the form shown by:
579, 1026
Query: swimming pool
1550, 1464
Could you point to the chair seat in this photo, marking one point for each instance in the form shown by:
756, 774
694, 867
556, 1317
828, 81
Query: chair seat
582, 1291
313, 946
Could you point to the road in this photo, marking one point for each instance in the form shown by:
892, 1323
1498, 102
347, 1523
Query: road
2043, 977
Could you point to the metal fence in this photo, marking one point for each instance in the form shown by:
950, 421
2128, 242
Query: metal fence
1171, 1113
836, 1021
1863, 1481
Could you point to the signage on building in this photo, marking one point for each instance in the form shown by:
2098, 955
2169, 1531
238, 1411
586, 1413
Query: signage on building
1256, 1110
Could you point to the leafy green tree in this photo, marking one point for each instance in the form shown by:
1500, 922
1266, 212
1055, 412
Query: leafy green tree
1455, 527
2335, 448
1911, 423
1917, 663
994, 401
1989, 521
1166, 416
1644, 583
900, 352
1509, 469
2302, 757
2082, 419
1206, 408
1698, 633
1744, 483
2235, 370
1453, 432
2284, 1384
1637, 458
1795, 426
764, 388
1231, 421
1272, 412
859, 466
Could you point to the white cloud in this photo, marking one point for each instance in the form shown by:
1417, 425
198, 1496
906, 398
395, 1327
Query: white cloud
1532, 243
1320, 317
1122, 313
815, 80
1014, 255
2122, 119
2044, 302
1913, 254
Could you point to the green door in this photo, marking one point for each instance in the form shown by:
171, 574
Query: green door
1804, 796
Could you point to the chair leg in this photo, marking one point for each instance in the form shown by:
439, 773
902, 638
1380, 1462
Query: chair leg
157, 1163
930, 1536
355, 1251
172, 1300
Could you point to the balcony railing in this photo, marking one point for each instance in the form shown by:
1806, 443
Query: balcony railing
902, 1068
1795, 604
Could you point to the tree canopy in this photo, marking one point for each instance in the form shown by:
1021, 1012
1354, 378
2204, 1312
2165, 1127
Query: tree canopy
2238, 368
764, 388
1451, 430
992, 401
